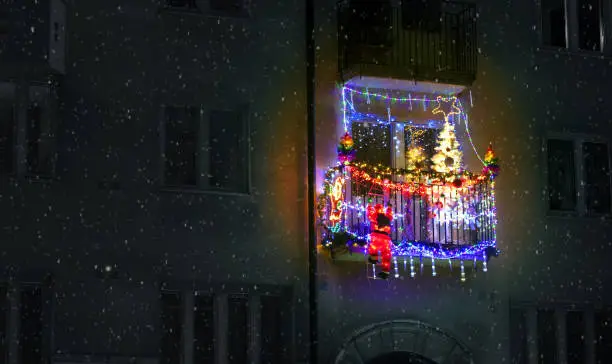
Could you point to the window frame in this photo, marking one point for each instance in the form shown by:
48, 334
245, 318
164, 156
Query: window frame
561, 310
48, 115
220, 295
204, 119
572, 22
580, 209
11, 98
397, 131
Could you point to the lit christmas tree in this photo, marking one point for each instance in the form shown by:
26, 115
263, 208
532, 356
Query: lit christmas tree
448, 157
346, 150
491, 163
415, 158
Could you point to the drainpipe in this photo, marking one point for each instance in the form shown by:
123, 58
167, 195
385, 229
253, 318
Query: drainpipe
311, 196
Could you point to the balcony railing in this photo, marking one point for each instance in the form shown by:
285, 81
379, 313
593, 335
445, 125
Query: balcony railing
423, 41
450, 217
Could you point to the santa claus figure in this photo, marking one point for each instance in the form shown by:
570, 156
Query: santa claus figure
380, 239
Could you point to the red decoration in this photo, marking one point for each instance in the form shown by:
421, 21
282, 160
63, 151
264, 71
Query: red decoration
380, 239
458, 183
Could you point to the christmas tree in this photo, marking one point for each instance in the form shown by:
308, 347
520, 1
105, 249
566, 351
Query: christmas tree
491, 163
346, 150
448, 155
415, 158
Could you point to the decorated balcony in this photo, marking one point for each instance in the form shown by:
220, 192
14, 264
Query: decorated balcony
425, 213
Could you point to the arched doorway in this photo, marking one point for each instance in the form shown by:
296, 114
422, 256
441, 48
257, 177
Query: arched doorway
403, 342
400, 357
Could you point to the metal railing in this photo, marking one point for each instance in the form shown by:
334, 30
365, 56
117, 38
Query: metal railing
429, 42
440, 215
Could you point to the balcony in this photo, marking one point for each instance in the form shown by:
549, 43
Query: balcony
433, 218
432, 41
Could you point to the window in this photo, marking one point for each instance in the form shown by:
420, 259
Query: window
182, 126
210, 152
561, 175
226, 318
271, 341
31, 327
565, 157
518, 336
575, 335
238, 329
589, 25
554, 23
182, 4
40, 133
373, 143
228, 151
171, 312
547, 337
229, 7
7, 137
603, 336
596, 177
204, 330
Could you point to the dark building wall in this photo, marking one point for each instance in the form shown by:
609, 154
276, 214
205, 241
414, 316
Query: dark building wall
106, 204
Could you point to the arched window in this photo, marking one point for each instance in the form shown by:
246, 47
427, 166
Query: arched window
403, 342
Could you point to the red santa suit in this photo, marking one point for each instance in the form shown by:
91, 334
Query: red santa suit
380, 239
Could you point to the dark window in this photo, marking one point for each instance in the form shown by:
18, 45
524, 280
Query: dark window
561, 175
31, 327
180, 152
518, 336
204, 330
228, 151
238, 329
4, 309
603, 336
171, 328
554, 23
39, 142
7, 137
181, 4
596, 177
575, 337
271, 329
372, 142
589, 25
229, 7
547, 337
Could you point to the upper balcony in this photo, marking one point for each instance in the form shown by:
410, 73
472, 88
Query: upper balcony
433, 41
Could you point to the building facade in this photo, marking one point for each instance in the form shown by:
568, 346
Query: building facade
153, 161
152, 185
536, 93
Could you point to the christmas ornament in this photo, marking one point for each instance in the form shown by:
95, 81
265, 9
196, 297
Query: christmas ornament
491, 162
346, 150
